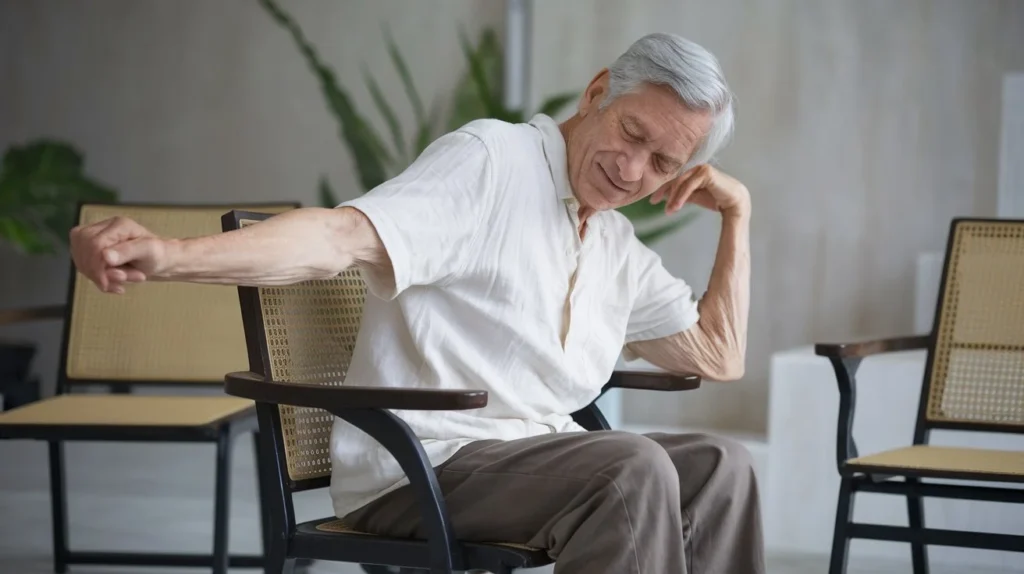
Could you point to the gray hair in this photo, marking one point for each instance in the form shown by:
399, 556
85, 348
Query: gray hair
690, 71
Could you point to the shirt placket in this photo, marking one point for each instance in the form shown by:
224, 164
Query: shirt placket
573, 251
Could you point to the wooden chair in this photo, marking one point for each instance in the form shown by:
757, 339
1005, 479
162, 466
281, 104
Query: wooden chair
158, 334
300, 340
974, 381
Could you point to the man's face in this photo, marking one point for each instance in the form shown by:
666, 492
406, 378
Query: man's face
629, 149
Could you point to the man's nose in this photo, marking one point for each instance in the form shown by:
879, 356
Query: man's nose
631, 167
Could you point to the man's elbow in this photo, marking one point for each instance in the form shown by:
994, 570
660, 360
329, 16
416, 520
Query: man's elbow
729, 368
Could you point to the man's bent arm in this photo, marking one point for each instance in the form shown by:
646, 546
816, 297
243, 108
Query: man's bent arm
715, 347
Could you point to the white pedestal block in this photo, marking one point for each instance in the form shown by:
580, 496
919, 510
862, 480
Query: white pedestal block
803, 482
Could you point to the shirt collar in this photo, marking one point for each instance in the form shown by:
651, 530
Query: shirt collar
555, 153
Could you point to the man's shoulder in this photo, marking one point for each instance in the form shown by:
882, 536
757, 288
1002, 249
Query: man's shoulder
501, 136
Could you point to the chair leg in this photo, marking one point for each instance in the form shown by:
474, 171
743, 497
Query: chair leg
915, 517
261, 495
58, 507
222, 497
840, 535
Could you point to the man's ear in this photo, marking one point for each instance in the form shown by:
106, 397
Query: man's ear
596, 92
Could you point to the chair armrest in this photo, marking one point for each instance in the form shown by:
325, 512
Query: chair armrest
249, 385
867, 348
846, 359
367, 409
652, 381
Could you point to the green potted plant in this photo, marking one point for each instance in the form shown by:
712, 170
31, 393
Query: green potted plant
42, 182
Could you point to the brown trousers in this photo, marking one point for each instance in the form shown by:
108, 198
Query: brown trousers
599, 502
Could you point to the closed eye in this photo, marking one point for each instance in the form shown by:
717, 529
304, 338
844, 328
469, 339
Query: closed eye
630, 134
665, 165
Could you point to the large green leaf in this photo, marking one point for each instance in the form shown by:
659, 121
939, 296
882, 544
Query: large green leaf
490, 101
467, 105
327, 195
650, 236
403, 73
425, 133
41, 185
389, 116
554, 104
367, 150
643, 209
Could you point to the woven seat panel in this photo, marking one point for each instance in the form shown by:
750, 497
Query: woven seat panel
169, 332
948, 459
126, 410
311, 331
340, 527
978, 365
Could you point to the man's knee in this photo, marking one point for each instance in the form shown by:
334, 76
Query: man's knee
728, 458
637, 459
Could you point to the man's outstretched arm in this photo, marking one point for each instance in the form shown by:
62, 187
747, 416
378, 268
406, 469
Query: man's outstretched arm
307, 243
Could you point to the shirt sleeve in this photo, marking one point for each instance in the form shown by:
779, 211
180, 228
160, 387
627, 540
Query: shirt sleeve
428, 216
664, 305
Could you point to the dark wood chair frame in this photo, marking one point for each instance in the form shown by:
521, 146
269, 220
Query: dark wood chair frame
368, 408
845, 359
221, 433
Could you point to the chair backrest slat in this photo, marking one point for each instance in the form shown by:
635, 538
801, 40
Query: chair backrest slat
304, 333
156, 332
977, 370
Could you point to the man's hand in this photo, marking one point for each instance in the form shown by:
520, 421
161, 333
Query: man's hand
707, 187
117, 251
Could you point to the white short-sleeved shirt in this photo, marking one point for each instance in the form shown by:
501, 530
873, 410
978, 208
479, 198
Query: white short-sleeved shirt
482, 234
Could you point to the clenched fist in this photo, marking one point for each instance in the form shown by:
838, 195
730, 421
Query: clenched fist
116, 251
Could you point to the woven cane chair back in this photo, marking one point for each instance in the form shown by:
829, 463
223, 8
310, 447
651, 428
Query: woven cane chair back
157, 332
977, 371
310, 330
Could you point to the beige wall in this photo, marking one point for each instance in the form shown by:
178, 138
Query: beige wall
863, 127
202, 101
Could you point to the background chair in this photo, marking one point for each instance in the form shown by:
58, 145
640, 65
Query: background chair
166, 334
300, 340
974, 381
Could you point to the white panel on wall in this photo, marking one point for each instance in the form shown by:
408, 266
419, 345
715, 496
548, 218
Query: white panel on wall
1011, 148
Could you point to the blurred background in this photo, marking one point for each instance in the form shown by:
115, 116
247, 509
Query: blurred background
863, 128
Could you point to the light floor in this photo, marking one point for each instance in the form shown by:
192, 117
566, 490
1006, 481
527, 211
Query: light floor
776, 565
157, 497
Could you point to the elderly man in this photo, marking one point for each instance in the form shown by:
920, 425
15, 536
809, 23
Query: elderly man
498, 262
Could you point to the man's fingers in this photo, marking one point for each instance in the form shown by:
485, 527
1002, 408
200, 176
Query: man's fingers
121, 275
134, 276
683, 193
126, 252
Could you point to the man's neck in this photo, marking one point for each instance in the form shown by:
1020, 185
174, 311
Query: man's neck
568, 127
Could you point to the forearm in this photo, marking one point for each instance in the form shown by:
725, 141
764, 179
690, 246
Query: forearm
299, 245
715, 347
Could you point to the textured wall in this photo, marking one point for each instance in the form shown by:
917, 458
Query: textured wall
199, 101
863, 127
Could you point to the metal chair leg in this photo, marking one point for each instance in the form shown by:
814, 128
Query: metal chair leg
261, 494
840, 535
59, 507
915, 518
222, 497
